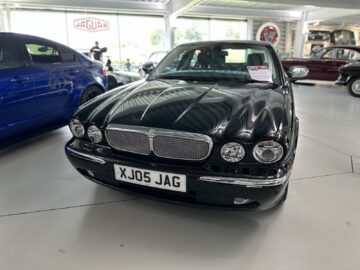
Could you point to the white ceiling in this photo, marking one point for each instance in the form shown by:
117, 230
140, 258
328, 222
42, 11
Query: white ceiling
281, 9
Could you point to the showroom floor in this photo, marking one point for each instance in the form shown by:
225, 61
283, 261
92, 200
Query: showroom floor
53, 218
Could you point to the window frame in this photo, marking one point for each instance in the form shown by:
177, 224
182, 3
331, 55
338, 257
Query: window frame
19, 48
62, 50
42, 43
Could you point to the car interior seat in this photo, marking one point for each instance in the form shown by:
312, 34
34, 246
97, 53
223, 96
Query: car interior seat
255, 59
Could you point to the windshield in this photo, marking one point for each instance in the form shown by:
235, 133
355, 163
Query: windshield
219, 62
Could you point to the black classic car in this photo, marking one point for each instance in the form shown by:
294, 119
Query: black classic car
214, 123
349, 75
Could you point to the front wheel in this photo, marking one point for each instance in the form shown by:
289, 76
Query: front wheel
354, 87
90, 93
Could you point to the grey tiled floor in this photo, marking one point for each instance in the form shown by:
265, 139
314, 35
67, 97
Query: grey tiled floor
53, 218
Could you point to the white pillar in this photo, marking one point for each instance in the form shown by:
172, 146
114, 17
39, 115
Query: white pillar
5, 22
250, 29
288, 41
301, 30
2, 21
169, 33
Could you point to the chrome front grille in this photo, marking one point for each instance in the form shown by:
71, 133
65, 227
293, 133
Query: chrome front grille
163, 143
129, 141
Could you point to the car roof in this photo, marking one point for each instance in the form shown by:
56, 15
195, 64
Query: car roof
25, 36
245, 42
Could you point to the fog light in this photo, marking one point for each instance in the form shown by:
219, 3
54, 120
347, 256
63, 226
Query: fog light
239, 201
268, 152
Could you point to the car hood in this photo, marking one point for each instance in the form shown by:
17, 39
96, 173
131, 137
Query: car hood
243, 112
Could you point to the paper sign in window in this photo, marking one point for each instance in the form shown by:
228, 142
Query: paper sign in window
260, 73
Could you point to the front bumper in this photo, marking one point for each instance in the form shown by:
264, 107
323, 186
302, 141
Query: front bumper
97, 164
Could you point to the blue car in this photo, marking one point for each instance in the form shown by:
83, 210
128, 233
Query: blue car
42, 81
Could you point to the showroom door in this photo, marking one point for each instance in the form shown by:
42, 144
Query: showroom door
16, 88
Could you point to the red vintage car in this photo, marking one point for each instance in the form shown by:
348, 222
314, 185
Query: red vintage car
324, 64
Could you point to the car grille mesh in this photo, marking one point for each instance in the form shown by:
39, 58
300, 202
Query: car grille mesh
163, 143
129, 141
180, 148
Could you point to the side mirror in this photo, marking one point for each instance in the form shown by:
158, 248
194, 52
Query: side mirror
148, 67
297, 72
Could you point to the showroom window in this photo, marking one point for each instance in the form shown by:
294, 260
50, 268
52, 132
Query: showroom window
191, 30
228, 30
10, 57
43, 54
140, 36
50, 25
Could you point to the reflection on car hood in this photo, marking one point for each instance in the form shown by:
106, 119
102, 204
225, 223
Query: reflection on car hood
244, 112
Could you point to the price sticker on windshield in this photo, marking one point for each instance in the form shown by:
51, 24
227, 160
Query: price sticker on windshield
260, 73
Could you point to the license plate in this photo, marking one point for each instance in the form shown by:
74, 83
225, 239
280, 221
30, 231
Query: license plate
149, 178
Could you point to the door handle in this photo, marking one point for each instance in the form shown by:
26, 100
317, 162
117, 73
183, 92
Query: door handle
19, 79
74, 72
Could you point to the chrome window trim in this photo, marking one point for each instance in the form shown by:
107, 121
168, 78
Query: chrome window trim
151, 133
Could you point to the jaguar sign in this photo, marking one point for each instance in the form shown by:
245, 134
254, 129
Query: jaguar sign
91, 24
269, 32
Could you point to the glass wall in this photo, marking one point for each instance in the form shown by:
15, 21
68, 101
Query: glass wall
125, 36
85, 29
228, 30
50, 25
191, 30
140, 36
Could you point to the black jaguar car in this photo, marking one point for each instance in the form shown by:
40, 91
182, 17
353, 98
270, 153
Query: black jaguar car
214, 123
349, 75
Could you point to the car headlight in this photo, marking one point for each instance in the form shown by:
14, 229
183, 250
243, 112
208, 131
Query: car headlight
268, 152
94, 134
232, 152
76, 127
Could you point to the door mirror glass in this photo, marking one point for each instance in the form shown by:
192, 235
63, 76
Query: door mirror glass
298, 72
147, 67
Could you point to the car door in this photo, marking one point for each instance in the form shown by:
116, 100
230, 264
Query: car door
323, 65
51, 88
72, 70
340, 58
16, 88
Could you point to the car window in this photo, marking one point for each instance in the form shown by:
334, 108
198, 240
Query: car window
354, 55
219, 61
347, 54
68, 55
11, 57
342, 54
43, 53
327, 55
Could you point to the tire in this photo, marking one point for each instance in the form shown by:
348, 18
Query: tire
112, 82
90, 93
354, 87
